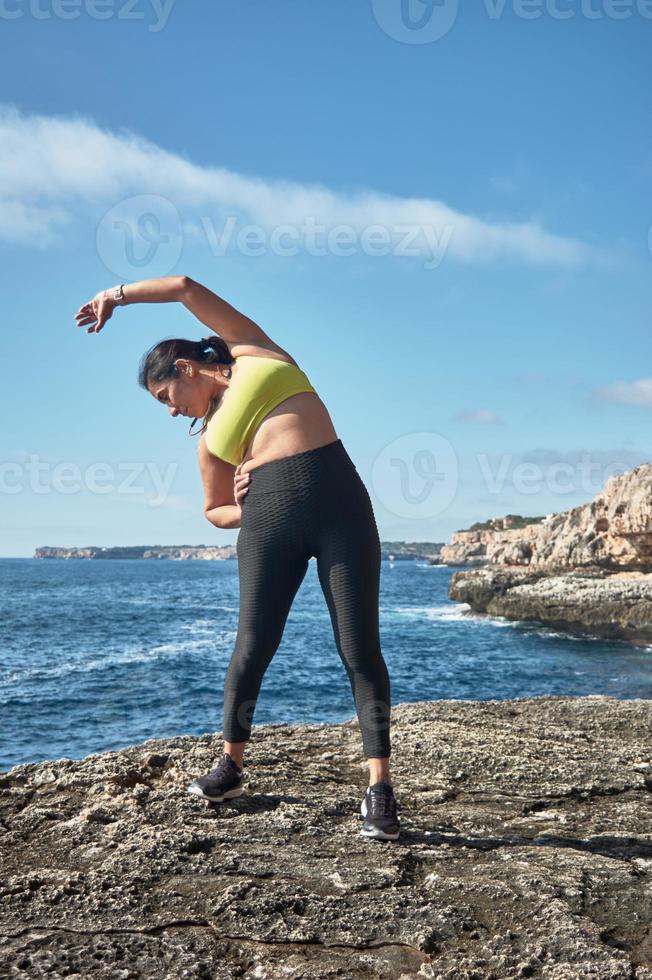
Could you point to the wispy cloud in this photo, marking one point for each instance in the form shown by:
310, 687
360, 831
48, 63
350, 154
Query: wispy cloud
630, 392
619, 458
29, 222
479, 416
55, 169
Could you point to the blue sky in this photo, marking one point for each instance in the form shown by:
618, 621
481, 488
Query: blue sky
483, 348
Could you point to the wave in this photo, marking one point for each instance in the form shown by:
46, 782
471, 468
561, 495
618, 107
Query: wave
133, 655
206, 627
446, 612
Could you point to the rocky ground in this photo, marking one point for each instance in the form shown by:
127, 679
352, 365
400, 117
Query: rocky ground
526, 851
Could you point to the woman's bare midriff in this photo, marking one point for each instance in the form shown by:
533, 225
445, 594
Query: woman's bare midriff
299, 423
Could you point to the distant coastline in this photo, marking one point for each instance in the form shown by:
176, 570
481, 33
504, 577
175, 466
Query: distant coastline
392, 550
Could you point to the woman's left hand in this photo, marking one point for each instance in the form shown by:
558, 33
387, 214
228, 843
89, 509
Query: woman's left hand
96, 312
240, 484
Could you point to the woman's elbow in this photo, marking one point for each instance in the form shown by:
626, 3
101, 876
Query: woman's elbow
212, 515
224, 517
185, 285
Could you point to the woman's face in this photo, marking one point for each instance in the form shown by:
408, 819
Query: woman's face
188, 394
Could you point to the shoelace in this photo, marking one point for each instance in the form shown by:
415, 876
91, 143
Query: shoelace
221, 766
381, 801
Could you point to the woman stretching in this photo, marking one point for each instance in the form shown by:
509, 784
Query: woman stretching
272, 465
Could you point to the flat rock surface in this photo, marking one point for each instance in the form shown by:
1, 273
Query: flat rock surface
594, 602
526, 851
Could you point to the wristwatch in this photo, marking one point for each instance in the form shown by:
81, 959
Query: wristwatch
119, 296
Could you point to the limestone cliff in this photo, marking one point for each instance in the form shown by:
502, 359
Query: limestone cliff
475, 545
588, 569
199, 552
613, 531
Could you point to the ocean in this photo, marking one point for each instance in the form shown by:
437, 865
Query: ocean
98, 655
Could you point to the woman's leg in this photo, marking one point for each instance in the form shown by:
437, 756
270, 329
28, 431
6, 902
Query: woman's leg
348, 564
271, 567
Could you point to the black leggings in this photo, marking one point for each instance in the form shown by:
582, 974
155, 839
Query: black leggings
312, 503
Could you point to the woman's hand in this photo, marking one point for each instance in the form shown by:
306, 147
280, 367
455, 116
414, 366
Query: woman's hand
240, 484
96, 312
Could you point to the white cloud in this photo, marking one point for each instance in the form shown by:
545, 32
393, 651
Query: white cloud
629, 392
54, 169
480, 416
30, 223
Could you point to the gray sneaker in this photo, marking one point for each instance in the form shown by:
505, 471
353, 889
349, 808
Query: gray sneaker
221, 783
378, 810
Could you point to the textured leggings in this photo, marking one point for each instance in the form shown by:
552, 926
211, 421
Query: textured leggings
312, 503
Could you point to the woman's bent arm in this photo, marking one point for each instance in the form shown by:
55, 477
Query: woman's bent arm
227, 322
226, 516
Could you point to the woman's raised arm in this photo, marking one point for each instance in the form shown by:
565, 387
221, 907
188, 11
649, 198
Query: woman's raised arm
231, 325
234, 327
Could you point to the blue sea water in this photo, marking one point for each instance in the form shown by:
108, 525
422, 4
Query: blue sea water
98, 655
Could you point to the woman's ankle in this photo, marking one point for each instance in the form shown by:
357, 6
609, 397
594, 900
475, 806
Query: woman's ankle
235, 751
379, 770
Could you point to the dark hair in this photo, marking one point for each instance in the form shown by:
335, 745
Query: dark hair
158, 363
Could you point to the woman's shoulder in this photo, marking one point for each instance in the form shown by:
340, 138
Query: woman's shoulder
256, 350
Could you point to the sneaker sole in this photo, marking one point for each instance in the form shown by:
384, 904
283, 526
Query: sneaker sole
377, 834
229, 794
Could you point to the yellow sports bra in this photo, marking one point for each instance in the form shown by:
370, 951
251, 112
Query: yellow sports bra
258, 386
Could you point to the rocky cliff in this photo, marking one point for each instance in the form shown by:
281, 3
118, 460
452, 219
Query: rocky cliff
477, 544
588, 569
199, 552
613, 531
214, 553
397, 550
526, 851
410, 551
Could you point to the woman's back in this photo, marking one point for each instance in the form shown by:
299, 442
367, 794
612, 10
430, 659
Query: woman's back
243, 429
